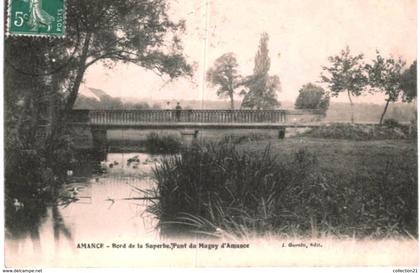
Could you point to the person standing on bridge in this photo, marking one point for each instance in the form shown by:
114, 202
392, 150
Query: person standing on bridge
178, 109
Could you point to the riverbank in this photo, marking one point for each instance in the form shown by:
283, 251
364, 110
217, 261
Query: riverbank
303, 186
343, 156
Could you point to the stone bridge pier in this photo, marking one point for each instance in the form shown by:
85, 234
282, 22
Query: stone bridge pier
99, 143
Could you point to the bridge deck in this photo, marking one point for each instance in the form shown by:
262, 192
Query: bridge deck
191, 125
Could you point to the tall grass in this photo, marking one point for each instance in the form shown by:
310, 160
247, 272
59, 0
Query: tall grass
216, 190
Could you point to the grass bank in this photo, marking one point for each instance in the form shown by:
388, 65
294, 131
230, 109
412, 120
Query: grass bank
301, 187
390, 130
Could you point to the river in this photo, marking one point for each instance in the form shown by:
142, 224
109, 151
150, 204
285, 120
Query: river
94, 209
101, 211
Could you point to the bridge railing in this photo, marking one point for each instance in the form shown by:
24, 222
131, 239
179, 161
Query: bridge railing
189, 116
132, 117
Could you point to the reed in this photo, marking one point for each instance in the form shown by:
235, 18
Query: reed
216, 190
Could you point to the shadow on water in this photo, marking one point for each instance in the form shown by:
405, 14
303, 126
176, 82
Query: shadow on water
26, 217
26, 222
99, 201
108, 194
60, 227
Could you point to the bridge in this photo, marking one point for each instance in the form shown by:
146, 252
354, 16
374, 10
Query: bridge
98, 122
172, 119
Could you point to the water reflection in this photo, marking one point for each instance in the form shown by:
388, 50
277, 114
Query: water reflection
93, 208
60, 227
23, 224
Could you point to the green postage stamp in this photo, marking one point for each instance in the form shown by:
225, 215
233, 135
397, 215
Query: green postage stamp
36, 18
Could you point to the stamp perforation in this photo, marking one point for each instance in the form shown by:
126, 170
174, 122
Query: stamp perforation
35, 35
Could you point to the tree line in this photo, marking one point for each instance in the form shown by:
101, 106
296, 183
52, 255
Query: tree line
345, 73
353, 76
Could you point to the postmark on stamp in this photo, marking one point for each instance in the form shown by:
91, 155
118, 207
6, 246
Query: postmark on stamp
36, 18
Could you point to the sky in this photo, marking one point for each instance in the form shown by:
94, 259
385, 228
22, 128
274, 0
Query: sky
303, 33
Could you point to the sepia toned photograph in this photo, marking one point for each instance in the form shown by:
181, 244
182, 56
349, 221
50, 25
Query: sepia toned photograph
210, 133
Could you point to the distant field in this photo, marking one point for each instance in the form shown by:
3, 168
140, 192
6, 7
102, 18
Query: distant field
364, 112
345, 156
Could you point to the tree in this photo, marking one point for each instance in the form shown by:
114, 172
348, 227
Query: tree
138, 32
25, 93
44, 75
385, 76
28, 94
224, 74
345, 74
262, 88
312, 96
108, 31
409, 82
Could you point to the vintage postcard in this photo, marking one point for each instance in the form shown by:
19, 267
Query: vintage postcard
210, 133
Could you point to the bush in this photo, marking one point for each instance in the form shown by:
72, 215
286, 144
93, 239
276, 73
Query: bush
238, 139
34, 171
358, 132
165, 144
216, 190
312, 96
391, 123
